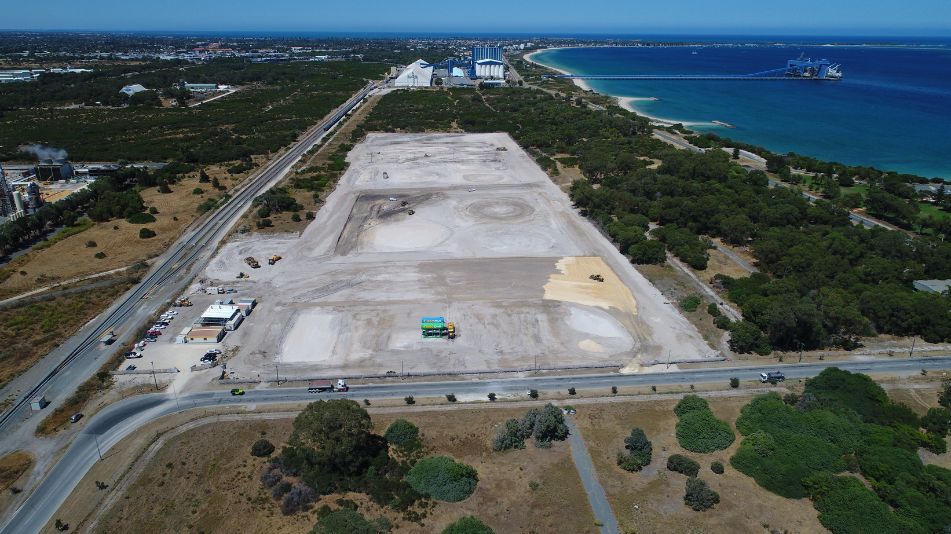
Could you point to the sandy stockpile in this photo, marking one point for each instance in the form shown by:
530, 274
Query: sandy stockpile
573, 284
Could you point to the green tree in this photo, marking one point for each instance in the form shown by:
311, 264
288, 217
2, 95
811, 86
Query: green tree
443, 479
402, 433
339, 432
349, 521
638, 453
468, 525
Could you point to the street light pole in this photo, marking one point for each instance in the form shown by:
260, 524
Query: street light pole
99, 450
154, 380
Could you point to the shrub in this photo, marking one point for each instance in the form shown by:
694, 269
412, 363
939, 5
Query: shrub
571, 391
699, 496
443, 479
164, 188
846, 505
614, 390
91, 244
402, 433
198, 191
295, 217
492, 397
533, 393
937, 421
722, 322
281, 489
270, 476
153, 210
690, 403
140, 218
734, 382
261, 448
99, 255
309, 215
681, 464
468, 525
649, 251
690, 303
510, 436
451, 397
145, 233
700, 431
299, 498
717, 467
349, 521
713, 309
409, 399
638, 453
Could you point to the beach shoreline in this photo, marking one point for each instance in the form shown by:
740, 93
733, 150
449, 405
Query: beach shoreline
626, 103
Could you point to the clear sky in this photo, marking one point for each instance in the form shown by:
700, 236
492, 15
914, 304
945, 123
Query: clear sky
757, 17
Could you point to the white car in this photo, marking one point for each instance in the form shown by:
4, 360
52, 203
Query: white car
392, 199
158, 327
170, 312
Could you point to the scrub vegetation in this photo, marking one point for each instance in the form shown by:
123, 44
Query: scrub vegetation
824, 281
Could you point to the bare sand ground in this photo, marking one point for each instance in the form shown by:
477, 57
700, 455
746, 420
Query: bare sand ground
463, 226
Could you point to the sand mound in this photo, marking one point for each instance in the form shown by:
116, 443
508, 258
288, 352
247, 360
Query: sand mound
572, 284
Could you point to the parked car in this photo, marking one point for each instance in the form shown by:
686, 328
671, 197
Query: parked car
208, 358
130, 368
75, 417
212, 351
237, 392
150, 339
132, 355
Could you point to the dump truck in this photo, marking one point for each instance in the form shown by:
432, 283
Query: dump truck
253, 263
273, 259
326, 386
182, 303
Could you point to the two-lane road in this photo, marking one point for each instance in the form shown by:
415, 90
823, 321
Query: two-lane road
121, 419
82, 354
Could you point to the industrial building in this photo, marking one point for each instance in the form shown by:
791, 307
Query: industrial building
12, 76
130, 90
205, 334
202, 87
227, 316
417, 74
932, 286
52, 171
489, 69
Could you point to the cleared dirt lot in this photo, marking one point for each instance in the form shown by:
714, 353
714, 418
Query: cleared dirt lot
205, 480
463, 226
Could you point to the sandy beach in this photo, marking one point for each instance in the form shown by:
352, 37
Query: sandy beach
625, 102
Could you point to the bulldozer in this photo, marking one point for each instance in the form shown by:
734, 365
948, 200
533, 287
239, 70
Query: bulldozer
242, 275
182, 303
252, 262
597, 277
273, 259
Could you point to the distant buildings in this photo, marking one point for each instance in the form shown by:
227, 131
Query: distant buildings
417, 74
130, 90
12, 76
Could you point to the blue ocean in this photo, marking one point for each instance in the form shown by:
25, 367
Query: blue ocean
892, 109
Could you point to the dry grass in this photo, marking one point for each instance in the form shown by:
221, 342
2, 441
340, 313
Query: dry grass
206, 481
118, 239
720, 263
12, 467
652, 500
31, 330
675, 286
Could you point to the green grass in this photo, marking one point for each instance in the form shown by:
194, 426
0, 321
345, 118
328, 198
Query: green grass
930, 210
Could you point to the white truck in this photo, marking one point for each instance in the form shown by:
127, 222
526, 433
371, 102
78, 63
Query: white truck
324, 386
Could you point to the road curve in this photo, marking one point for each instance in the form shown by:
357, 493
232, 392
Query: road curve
112, 424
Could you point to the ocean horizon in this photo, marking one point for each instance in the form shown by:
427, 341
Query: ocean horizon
892, 109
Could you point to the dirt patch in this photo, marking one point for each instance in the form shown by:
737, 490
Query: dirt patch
206, 481
720, 263
652, 500
573, 284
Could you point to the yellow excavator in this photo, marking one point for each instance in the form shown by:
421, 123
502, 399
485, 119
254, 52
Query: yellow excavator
273, 259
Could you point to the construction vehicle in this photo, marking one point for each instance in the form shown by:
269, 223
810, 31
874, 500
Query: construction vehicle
182, 303
242, 275
437, 327
597, 277
252, 262
324, 386
273, 259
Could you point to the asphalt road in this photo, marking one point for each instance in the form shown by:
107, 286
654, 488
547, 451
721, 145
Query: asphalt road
82, 355
112, 424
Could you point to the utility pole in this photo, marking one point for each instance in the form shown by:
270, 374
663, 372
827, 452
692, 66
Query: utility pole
174, 392
154, 380
668, 359
912, 351
800, 352
277, 371
99, 450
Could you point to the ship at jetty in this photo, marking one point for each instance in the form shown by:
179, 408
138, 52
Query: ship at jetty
819, 69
